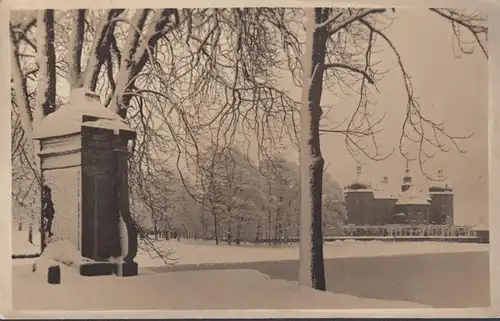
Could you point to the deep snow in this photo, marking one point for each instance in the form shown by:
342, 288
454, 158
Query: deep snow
209, 289
213, 289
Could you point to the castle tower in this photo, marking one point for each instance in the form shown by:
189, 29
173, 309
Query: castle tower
359, 201
359, 171
442, 195
406, 179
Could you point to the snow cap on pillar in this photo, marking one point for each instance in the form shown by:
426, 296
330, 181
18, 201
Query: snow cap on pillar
84, 108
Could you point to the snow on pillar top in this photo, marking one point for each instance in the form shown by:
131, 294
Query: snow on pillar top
69, 118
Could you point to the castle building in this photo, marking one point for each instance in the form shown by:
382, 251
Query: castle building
366, 205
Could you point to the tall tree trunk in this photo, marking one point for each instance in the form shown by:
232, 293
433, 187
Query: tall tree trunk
311, 270
229, 226
21, 99
46, 90
257, 233
155, 230
75, 48
269, 217
238, 230
100, 48
216, 226
269, 221
137, 52
285, 229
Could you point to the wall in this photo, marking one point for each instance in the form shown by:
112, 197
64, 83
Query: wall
441, 204
65, 186
384, 210
416, 213
61, 171
360, 207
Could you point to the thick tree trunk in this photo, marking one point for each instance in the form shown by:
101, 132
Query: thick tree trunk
46, 90
75, 48
128, 69
100, 48
137, 53
311, 270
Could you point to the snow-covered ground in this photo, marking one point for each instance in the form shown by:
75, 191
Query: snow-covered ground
21, 246
191, 252
206, 289
212, 289
202, 252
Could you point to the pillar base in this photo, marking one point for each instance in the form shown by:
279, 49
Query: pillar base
126, 269
97, 269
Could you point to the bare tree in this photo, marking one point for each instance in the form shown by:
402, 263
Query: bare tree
322, 62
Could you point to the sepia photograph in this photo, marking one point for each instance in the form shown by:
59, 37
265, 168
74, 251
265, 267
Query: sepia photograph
249, 158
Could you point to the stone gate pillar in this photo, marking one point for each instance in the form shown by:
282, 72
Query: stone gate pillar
83, 157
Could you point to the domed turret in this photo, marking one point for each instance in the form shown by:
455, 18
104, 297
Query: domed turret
358, 183
442, 185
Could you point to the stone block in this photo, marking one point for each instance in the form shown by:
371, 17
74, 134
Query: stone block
54, 274
97, 269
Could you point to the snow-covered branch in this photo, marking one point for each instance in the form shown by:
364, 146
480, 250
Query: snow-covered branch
100, 48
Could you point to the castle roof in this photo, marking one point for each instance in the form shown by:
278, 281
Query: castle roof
413, 196
384, 194
359, 185
481, 227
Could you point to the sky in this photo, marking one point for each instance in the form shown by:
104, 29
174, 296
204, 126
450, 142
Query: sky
451, 90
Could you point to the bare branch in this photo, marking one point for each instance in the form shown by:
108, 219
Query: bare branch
351, 68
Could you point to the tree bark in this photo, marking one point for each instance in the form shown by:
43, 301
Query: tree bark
128, 68
311, 270
100, 48
216, 227
138, 53
75, 48
46, 91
